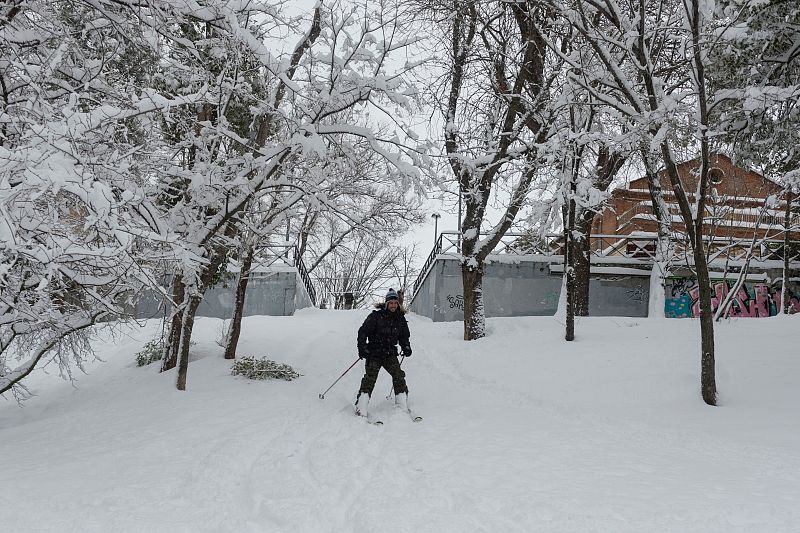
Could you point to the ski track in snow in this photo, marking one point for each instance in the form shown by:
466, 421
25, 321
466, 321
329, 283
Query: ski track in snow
522, 432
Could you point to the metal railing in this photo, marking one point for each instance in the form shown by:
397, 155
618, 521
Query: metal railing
737, 249
288, 255
437, 249
301, 269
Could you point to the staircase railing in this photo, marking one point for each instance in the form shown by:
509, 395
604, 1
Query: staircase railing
301, 269
437, 249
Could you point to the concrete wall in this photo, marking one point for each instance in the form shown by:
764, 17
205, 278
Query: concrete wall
267, 294
612, 295
524, 288
530, 287
423, 301
301, 297
278, 293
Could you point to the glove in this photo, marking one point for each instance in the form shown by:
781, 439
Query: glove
407, 351
363, 353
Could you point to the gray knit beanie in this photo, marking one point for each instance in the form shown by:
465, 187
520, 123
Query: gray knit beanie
391, 295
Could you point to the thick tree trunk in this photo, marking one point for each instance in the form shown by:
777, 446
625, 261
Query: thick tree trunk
181, 328
663, 253
658, 276
238, 308
474, 315
607, 165
569, 266
186, 338
174, 336
708, 383
581, 260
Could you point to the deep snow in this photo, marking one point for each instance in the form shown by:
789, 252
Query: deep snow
522, 432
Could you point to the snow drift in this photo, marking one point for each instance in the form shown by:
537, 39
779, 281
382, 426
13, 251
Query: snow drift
522, 432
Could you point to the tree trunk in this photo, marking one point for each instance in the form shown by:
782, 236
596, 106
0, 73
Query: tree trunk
694, 228
174, 336
182, 328
607, 165
581, 260
656, 306
663, 253
569, 265
186, 338
708, 383
787, 224
238, 308
474, 315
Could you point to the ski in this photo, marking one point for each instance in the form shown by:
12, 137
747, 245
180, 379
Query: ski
369, 419
414, 416
411, 414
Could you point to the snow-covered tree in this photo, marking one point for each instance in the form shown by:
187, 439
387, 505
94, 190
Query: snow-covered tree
71, 202
337, 71
755, 71
494, 97
138, 132
357, 195
655, 54
257, 233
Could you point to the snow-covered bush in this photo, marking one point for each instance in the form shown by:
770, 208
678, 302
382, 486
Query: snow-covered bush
151, 352
263, 368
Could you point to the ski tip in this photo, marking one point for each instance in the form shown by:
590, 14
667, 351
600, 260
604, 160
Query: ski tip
369, 420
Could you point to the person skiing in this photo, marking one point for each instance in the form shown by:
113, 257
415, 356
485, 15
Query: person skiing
378, 336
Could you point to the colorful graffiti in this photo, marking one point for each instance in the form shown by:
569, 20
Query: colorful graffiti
752, 299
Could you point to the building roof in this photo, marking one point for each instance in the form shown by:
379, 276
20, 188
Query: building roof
728, 179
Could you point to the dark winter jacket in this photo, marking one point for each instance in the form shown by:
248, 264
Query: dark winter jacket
381, 332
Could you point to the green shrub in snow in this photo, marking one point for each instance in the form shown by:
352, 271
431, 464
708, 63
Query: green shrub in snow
262, 368
151, 352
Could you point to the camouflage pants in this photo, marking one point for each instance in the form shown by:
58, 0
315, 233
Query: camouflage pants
373, 367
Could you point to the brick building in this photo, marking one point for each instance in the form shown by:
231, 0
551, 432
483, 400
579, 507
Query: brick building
735, 201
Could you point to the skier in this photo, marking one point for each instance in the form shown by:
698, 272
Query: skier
383, 329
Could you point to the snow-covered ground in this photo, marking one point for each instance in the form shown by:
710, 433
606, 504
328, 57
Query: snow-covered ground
522, 432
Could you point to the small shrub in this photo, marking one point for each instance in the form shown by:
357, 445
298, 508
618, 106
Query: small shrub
263, 368
151, 352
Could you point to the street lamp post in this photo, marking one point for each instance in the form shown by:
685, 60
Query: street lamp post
435, 217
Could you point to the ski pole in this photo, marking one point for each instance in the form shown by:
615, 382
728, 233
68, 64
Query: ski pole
389, 396
322, 396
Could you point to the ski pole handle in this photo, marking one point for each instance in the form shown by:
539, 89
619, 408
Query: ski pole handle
322, 396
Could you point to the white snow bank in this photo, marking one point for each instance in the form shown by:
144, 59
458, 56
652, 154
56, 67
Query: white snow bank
522, 432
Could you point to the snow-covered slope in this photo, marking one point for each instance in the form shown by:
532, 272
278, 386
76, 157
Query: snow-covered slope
522, 432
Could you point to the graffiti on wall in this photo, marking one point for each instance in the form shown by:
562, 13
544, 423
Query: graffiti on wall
752, 299
638, 294
456, 301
